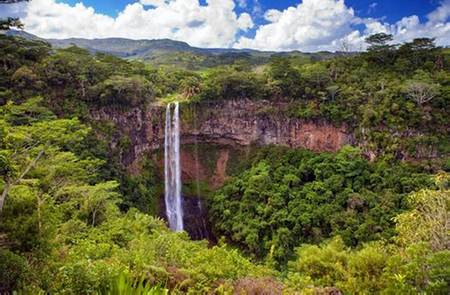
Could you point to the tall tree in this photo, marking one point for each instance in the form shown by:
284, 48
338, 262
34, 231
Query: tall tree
380, 50
26, 140
10, 22
379, 40
285, 78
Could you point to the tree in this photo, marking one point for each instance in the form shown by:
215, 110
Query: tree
90, 202
418, 53
227, 83
284, 79
379, 49
26, 141
10, 22
333, 90
421, 92
421, 88
316, 74
379, 41
422, 44
120, 90
429, 219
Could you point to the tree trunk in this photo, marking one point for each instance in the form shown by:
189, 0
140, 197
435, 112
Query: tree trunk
39, 203
4, 194
8, 185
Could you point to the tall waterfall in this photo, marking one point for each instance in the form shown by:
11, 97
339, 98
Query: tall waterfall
172, 168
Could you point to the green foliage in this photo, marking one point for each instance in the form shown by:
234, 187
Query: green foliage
97, 80
334, 265
12, 270
121, 90
62, 187
14, 53
284, 79
89, 258
289, 197
427, 221
227, 83
405, 268
65, 219
390, 89
373, 269
141, 191
123, 285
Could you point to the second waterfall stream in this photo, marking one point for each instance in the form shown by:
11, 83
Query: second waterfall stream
172, 167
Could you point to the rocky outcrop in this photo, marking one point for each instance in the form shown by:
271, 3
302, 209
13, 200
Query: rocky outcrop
139, 132
246, 123
195, 218
228, 128
220, 172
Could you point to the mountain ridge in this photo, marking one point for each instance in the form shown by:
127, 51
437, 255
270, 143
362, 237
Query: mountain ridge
172, 52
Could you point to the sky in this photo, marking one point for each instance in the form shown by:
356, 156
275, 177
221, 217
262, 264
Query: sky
305, 25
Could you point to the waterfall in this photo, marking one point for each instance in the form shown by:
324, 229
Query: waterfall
172, 168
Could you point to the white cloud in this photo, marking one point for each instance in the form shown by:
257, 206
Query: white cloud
12, 10
273, 15
441, 14
411, 27
372, 7
315, 25
212, 25
312, 25
242, 3
154, 2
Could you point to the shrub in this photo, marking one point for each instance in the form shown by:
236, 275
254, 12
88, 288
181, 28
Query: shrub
12, 270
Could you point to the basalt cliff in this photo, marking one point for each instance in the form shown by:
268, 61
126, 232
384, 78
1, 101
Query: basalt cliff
226, 125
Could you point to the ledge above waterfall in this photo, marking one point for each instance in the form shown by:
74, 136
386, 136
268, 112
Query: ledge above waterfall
242, 122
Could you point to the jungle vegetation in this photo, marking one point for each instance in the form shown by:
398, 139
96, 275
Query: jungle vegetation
74, 221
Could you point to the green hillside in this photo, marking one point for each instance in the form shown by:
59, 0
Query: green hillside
173, 53
82, 176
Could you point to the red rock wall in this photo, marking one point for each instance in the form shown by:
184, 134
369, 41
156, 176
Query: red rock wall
229, 123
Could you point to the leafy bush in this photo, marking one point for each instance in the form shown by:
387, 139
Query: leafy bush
123, 285
13, 269
289, 197
417, 266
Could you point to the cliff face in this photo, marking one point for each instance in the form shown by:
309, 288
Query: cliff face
234, 124
245, 123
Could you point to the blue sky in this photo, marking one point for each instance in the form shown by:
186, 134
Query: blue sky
391, 10
307, 25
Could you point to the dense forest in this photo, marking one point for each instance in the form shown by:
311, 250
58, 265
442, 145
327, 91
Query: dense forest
371, 218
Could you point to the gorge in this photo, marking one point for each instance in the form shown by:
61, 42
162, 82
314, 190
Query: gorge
235, 124
226, 131
290, 175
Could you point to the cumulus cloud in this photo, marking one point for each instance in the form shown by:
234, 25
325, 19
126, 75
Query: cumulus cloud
311, 25
441, 14
212, 25
14, 10
410, 27
242, 3
315, 25
372, 7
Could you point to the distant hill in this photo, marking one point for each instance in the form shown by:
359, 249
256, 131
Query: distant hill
23, 34
174, 53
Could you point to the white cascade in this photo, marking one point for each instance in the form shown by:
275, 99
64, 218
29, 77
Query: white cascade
172, 168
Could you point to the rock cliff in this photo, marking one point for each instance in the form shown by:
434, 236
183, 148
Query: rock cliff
137, 133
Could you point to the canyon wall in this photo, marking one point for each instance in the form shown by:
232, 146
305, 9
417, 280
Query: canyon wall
138, 133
